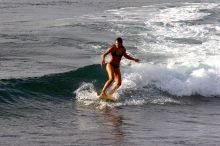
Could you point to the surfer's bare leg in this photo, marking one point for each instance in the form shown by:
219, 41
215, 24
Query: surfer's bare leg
110, 72
117, 78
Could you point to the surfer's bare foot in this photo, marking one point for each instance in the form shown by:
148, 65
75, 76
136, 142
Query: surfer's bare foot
102, 94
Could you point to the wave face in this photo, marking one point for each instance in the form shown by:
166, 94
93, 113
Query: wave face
51, 87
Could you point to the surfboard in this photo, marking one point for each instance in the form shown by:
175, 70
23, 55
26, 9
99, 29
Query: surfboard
107, 98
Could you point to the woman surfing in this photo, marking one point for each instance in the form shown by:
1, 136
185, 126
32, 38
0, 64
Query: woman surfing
113, 66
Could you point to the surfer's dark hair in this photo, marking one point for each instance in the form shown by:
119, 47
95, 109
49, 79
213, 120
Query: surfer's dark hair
119, 40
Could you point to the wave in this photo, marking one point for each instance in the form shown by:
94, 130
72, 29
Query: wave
159, 84
59, 86
180, 56
142, 83
203, 80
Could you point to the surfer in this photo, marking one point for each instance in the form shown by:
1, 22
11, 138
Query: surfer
113, 66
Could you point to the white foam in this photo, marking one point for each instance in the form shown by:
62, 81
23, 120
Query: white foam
86, 92
183, 13
168, 30
87, 95
180, 81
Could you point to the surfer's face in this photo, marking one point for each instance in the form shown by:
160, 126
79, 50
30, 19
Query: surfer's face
117, 44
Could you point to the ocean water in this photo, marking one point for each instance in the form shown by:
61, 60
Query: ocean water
50, 76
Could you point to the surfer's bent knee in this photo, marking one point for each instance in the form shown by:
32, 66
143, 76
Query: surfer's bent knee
118, 84
110, 79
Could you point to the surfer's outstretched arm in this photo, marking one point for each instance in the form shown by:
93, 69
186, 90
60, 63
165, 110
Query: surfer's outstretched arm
130, 57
